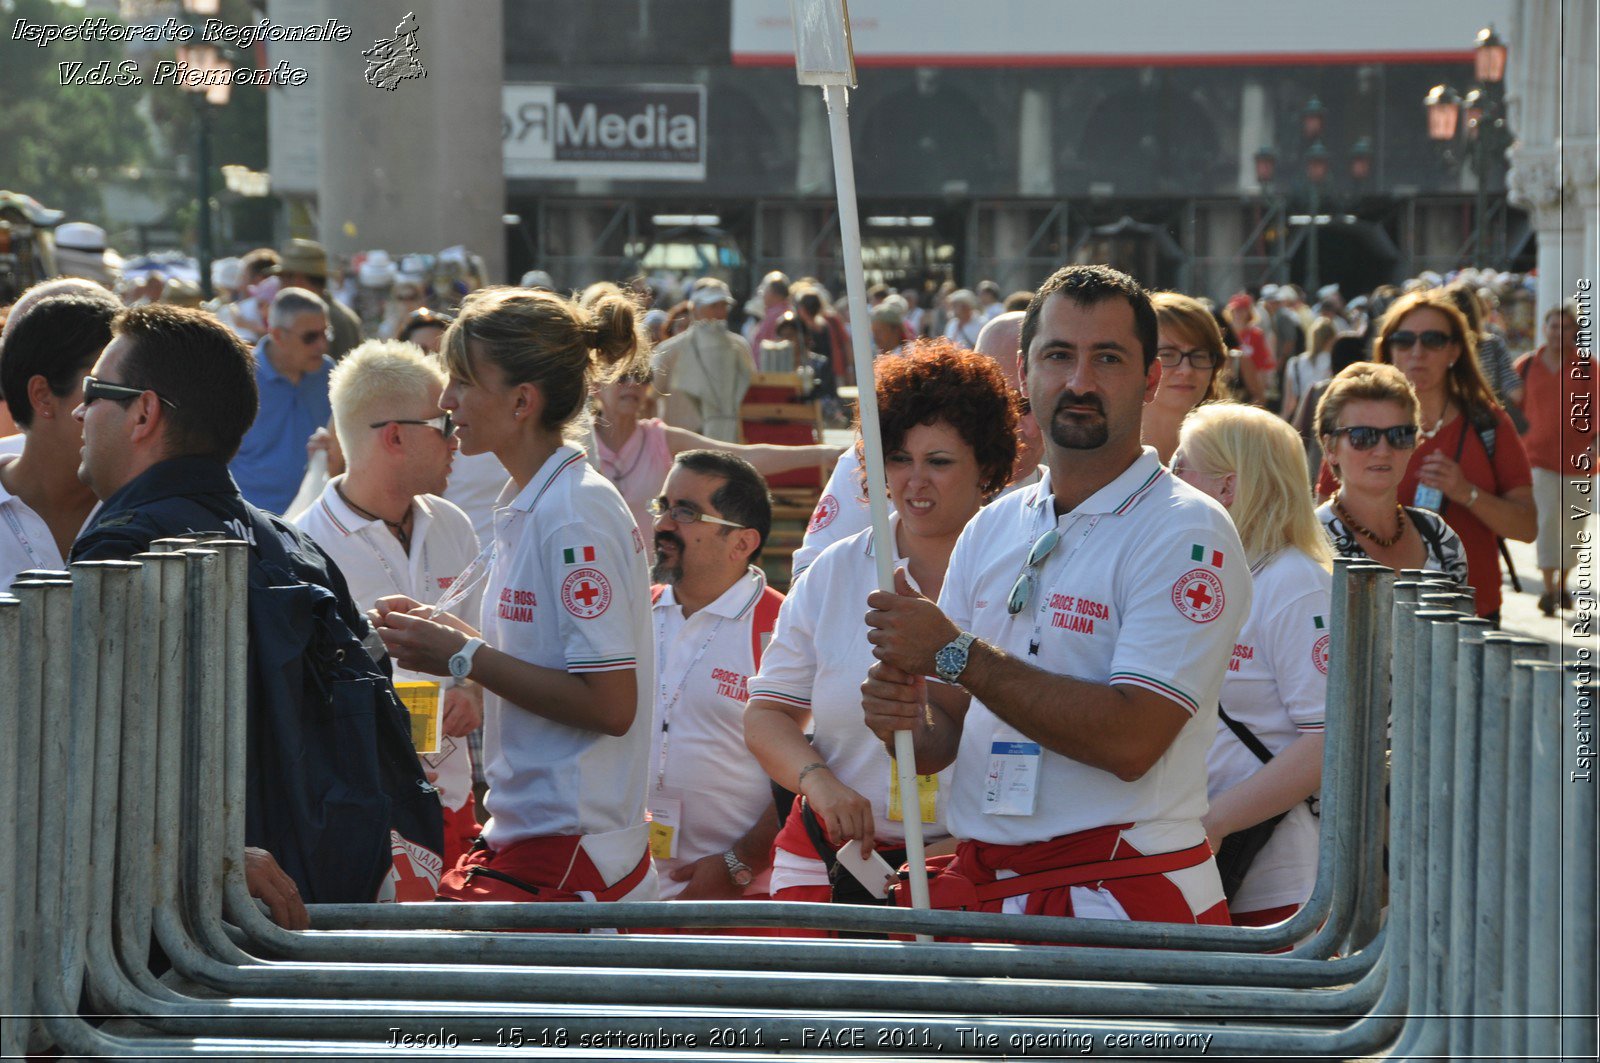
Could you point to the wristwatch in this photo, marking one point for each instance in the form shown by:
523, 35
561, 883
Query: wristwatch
951, 660
461, 662
738, 870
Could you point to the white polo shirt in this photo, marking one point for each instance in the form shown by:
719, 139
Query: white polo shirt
1148, 587
374, 565
474, 487
568, 589
841, 512
25, 539
701, 773
1277, 686
819, 657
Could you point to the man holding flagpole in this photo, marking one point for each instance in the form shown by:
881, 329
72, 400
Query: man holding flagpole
1078, 645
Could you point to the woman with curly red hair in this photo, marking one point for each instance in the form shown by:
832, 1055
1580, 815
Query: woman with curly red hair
949, 439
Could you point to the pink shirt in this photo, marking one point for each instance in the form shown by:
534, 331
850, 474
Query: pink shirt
638, 468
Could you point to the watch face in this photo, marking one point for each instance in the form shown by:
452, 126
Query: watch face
949, 662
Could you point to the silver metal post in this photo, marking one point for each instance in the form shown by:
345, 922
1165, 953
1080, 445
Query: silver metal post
12, 1041
1547, 847
1463, 835
1490, 917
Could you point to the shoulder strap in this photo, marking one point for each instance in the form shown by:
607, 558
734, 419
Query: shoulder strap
762, 623
1245, 735
1429, 530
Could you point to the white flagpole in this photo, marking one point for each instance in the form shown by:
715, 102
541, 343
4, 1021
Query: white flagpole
823, 56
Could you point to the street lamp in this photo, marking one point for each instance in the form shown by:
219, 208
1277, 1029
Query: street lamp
1484, 124
205, 58
1316, 174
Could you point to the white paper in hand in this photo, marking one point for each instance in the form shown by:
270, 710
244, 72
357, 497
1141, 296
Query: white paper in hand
870, 871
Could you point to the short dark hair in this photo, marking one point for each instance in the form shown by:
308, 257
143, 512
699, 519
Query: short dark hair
1086, 286
57, 338
743, 496
934, 380
198, 363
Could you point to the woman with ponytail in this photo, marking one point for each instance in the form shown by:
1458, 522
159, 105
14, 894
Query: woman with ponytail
564, 652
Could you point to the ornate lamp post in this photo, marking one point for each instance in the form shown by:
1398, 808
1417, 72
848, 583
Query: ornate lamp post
1316, 175
207, 58
1479, 117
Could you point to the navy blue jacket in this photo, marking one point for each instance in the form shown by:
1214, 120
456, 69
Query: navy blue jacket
330, 766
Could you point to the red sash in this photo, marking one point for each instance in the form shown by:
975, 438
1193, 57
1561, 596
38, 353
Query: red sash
553, 868
1047, 871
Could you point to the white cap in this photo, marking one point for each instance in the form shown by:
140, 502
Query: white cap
377, 270
1327, 291
538, 278
711, 291
1269, 293
225, 273
81, 236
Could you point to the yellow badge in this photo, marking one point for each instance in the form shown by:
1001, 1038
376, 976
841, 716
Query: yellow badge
421, 700
927, 796
666, 814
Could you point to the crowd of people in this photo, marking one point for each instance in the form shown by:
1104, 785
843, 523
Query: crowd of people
1114, 513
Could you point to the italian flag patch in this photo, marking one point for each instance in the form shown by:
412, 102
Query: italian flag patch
577, 555
1199, 553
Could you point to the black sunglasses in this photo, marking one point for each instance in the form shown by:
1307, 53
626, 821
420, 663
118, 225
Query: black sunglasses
443, 423
309, 337
99, 389
1365, 437
1433, 339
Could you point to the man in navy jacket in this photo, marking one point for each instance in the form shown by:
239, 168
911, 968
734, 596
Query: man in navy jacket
163, 412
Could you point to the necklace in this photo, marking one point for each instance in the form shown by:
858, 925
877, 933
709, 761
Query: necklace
1429, 433
400, 527
619, 474
1355, 526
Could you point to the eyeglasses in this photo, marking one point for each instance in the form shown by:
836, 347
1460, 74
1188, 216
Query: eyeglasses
443, 423
1432, 339
1365, 437
1022, 590
99, 389
310, 337
1198, 357
682, 513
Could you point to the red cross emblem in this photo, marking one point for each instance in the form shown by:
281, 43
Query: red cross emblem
1198, 595
586, 593
1319, 655
827, 509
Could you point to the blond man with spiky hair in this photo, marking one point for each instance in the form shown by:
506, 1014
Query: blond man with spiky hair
387, 529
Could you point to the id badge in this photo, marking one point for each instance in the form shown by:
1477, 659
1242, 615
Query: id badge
1011, 786
666, 816
927, 797
424, 703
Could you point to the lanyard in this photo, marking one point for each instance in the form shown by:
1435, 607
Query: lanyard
400, 586
463, 585
1048, 509
22, 537
666, 704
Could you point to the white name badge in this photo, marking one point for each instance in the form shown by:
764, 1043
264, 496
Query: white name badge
666, 816
1011, 787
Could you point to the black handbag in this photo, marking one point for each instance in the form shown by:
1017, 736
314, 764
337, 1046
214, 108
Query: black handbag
1240, 849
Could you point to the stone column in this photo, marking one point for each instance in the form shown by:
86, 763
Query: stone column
1551, 81
419, 167
1539, 184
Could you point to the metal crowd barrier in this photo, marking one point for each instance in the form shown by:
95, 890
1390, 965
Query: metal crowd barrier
1453, 914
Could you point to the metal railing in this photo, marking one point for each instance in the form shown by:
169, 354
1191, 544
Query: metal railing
131, 685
